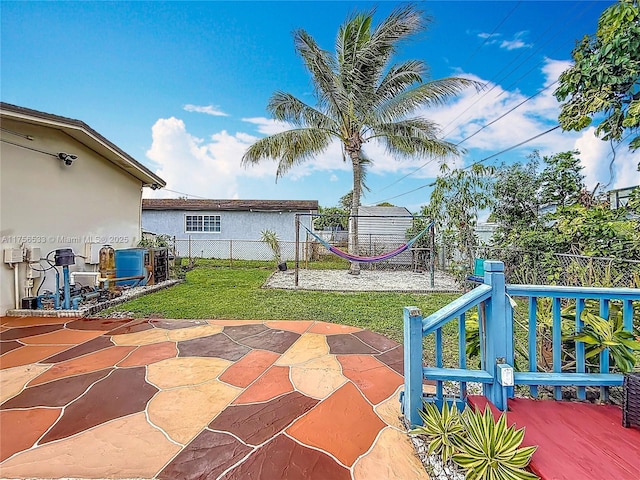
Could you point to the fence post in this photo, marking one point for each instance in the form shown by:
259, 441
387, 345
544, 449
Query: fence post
412, 400
499, 331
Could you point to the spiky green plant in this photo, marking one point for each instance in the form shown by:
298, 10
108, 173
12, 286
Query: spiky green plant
442, 429
489, 450
271, 238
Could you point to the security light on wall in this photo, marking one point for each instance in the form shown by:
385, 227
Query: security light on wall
67, 158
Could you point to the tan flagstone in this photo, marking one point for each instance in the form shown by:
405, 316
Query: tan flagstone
308, 347
389, 410
183, 371
193, 332
124, 448
183, 412
13, 380
392, 457
145, 337
318, 378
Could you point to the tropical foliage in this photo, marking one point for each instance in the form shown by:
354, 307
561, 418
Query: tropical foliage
361, 96
442, 429
483, 448
599, 334
456, 201
605, 76
490, 450
271, 239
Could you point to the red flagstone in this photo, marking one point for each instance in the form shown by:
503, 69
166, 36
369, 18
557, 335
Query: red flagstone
148, 354
25, 332
21, 428
300, 326
9, 345
88, 363
344, 424
284, 459
374, 379
207, 456
272, 384
29, 354
248, 368
29, 321
91, 346
56, 393
257, 422
62, 337
122, 393
332, 328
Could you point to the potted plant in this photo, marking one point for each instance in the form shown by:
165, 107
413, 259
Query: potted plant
271, 238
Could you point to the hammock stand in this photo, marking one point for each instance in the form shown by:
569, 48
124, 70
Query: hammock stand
377, 258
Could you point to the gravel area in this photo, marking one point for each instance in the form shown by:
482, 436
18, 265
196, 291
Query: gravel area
368, 280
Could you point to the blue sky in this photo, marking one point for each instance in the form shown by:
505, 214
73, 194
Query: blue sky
183, 86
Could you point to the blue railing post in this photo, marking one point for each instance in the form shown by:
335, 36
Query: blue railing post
412, 399
499, 330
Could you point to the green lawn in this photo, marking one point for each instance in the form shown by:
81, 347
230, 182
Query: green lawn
214, 292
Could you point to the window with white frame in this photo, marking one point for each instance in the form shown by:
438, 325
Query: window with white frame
202, 223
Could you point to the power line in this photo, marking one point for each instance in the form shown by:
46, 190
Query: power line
431, 184
472, 135
498, 78
185, 194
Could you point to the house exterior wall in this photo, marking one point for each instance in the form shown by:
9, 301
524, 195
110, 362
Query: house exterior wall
49, 205
239, 226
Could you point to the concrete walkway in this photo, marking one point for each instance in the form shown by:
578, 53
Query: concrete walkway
200, 399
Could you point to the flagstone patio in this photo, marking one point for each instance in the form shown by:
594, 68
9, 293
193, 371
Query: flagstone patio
200, 399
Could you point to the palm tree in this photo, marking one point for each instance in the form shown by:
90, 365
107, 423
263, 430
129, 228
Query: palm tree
360, 96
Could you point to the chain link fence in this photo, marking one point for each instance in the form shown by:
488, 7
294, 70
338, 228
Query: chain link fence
309, 250
537, 268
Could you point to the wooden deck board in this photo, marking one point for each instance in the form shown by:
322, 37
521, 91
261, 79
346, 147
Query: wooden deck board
575, 440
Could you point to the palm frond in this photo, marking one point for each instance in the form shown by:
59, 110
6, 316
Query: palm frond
430, 94
290, 148
399, 78
322, 67
287, 108
416, 136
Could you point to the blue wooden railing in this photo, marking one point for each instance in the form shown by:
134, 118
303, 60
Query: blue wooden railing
496, 330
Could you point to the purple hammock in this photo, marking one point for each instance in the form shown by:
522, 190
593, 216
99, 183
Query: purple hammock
377, 258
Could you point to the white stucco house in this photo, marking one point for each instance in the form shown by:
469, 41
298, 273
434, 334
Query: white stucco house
63, 185
227, 228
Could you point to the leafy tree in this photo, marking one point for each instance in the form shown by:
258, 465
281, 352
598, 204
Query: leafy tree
561, 181
605, 77
361, 95
597, 231
517, 199
332, 218
458, 197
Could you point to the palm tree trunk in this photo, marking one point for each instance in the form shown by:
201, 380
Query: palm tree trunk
355, 203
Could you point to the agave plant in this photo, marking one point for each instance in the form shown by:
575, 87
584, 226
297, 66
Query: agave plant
442, 428
489, 450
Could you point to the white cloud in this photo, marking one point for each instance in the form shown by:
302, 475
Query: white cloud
484, 35
209, 169
596, 157
208, 109
513, 44
212, 167
267, 126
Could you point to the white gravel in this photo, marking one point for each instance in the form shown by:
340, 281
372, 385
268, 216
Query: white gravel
368, 280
